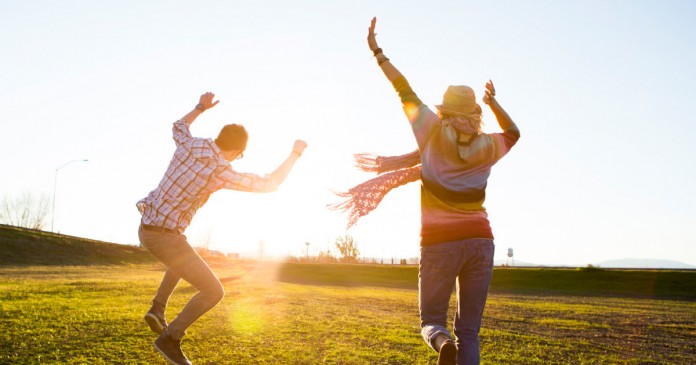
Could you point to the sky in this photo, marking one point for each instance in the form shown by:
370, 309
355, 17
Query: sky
601, 91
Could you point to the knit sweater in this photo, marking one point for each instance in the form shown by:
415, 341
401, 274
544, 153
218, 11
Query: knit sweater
454, 173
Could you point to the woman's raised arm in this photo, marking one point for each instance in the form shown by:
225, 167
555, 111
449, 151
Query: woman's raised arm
389, 70
501, 115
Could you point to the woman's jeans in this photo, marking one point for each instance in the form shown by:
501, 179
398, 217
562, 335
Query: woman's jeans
469, 263
182, 263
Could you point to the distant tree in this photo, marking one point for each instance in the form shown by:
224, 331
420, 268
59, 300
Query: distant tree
25, 211
590, 267
348, 248
326, 257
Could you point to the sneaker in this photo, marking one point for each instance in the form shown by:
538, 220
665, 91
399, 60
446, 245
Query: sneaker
155, 319
171, 349
448, 354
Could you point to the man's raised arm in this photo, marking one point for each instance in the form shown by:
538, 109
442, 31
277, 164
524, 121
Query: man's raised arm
204, 103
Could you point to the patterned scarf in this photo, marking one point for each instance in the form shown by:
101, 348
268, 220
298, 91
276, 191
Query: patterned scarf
393, 172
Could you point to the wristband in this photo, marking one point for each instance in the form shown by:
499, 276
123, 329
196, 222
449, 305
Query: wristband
381, 60
200, 107
377, 51
298, 154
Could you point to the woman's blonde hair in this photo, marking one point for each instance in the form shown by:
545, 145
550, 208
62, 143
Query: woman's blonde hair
468, 125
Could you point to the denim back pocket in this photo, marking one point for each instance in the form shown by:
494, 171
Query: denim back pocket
484, 256
438, 263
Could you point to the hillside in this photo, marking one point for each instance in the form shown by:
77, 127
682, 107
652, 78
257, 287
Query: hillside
21, 246
550, 281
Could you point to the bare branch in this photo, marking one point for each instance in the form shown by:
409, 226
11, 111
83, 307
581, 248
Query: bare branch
26, 211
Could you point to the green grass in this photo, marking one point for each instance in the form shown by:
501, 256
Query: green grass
272, 314
67, 300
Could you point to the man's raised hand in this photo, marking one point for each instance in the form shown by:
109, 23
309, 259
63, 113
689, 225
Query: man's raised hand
206, 100
299, 146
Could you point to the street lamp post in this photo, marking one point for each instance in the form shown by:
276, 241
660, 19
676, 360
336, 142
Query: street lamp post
55, 180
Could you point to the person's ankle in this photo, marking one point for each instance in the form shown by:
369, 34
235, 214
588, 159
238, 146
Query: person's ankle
158, 305
440, 340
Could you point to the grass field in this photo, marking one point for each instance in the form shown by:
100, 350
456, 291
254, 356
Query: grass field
344, 314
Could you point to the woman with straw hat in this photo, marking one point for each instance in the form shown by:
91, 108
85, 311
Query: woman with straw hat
453, 162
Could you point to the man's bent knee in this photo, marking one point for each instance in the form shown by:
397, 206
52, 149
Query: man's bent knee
215, 293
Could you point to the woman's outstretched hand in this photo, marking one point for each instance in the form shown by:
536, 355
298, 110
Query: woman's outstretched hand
371, 40
490, 92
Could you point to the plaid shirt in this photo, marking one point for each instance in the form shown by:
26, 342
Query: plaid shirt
197, 169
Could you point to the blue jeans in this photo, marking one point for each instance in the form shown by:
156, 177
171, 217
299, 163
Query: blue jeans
182, 262
469, 264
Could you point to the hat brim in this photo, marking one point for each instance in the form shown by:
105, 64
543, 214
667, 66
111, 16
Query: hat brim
453, 112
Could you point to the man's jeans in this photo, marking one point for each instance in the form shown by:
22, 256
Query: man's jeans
469, 262
182, 263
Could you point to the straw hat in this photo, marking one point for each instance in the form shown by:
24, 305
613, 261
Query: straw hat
459, 100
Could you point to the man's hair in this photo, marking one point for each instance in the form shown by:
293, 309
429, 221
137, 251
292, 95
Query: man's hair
232, 137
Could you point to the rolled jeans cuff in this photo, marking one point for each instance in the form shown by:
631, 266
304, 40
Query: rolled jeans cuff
430, 331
